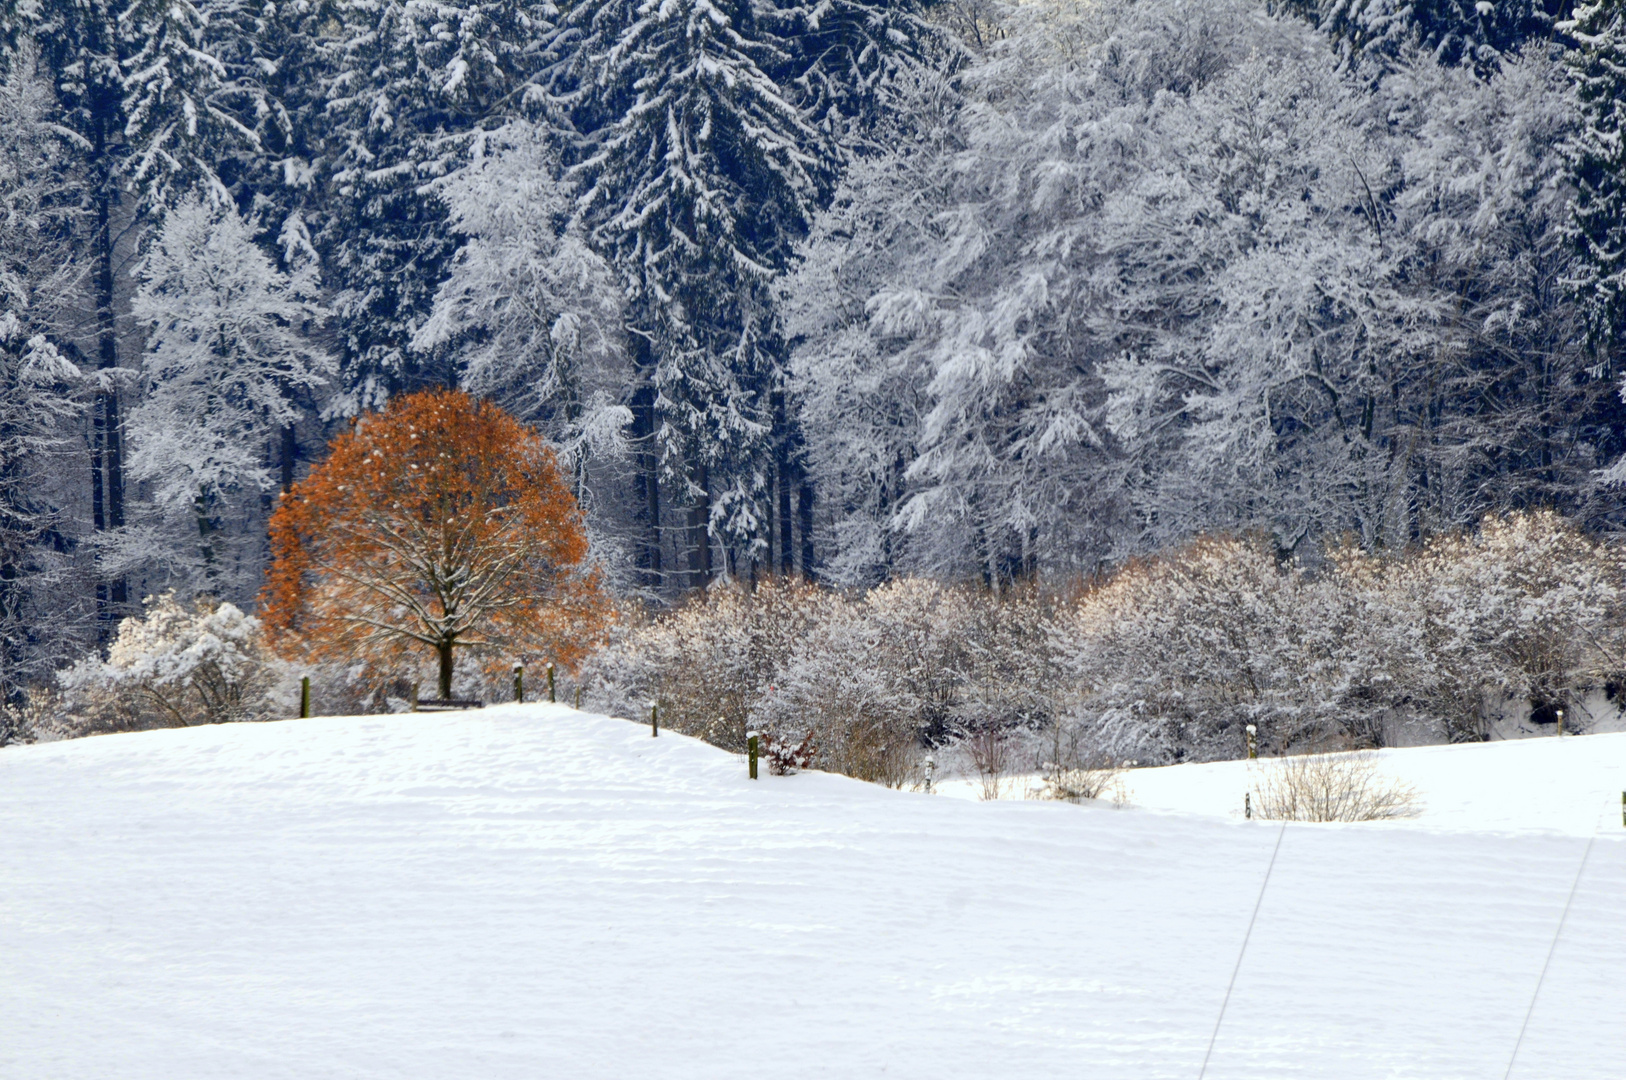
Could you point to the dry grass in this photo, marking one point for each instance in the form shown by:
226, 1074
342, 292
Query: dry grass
1330, 787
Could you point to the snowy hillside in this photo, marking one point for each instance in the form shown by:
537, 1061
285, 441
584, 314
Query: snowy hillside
533, 892
1521, 785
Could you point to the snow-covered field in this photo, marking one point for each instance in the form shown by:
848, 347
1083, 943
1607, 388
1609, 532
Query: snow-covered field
1562, 785
533, 892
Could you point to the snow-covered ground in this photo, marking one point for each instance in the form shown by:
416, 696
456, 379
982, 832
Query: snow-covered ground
1562, 785
533, 892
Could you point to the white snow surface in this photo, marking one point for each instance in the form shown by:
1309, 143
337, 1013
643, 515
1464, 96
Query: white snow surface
529, 891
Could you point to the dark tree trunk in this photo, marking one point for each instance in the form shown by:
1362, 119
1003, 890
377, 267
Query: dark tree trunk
445, 651
107, 494
781, 453
647, 482
203, 509
804, 515
287, 452
700, 533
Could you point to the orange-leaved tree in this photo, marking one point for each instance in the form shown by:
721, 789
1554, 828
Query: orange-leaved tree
442, 524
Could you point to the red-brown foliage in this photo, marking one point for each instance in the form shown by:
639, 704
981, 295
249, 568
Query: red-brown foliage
439, 524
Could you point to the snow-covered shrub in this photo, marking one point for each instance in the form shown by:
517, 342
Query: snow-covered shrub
854, 684
1330, 787
1076, 764
1175, 655
1527, 608
175, 666
710, 663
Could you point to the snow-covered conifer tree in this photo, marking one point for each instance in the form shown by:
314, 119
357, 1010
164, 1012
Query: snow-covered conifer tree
407, 82
1598, 154
700, 179
41, 391
137, 94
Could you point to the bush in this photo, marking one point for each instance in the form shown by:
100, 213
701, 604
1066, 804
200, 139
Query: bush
1174, 655
176, 666
1527, 609
1168, 659
859, 685
1330, 787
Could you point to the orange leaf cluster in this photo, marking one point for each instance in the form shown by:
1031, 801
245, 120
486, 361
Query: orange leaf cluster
439, 524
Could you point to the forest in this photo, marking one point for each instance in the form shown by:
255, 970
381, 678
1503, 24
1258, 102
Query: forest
994, 295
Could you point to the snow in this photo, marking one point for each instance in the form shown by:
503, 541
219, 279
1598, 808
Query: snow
1524, 785
528, 891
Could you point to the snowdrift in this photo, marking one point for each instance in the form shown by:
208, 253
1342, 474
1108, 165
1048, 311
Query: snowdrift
532, 892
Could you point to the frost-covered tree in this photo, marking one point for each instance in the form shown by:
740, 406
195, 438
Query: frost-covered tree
1169, 271
700, 175
531, 317
137, 96
858, 379
227, 346
1598, 157
40, 390
531, 314
1512, 409
38, 399
406, 83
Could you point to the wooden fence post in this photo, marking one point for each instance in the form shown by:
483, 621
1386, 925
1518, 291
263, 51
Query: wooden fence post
551, 696
751, 751
304, 697
519, 683
654, 720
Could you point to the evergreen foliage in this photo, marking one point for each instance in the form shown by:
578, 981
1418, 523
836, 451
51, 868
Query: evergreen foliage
1598, 154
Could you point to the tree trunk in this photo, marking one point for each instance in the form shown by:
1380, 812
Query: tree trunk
647, 481
206, 545
781, 453
107, 447
804, 515
287, 452
700, 532
445, 650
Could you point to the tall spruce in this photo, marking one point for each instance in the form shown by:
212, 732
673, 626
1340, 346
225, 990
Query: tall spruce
408, 82
1598, 166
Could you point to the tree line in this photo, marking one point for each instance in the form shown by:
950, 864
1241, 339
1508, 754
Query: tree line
843, 289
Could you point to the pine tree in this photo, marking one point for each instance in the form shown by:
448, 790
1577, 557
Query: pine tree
1598, 166
1470, 32
38, 399
699, 177
407, 84
39, 388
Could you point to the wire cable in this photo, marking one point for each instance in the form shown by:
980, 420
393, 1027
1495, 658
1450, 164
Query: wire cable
1552, 948
1242, 952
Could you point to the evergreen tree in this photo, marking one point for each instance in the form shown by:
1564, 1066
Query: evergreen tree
712, 132
39, 388
699, 177
1598, 167
1469, 32
407, 84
